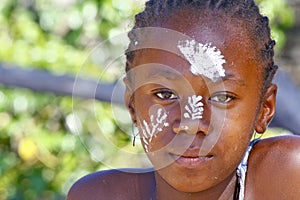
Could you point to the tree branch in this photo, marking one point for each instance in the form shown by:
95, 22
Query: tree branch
288, 106
43, 81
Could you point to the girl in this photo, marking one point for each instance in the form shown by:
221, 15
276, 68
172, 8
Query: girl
198, 85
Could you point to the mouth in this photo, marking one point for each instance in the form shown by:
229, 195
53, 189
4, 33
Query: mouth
191, 161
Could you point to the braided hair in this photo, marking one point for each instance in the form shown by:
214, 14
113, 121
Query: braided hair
246, 11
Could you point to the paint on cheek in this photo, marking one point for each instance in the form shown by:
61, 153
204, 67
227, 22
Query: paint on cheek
156, 125
194, 109
205, 59
146, 144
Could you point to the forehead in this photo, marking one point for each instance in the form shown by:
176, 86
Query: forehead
161, 67
214, 27
236, 54
227, 35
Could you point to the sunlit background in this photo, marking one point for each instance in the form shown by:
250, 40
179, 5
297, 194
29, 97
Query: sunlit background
48, 141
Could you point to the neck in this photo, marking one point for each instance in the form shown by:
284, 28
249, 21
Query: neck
223, 191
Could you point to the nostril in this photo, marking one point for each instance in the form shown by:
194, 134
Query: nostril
180, 127
184, 127
188, 126
191, 127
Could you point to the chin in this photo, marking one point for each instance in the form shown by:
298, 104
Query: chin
185, 183
192, 187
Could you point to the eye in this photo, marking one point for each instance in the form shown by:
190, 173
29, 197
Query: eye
166, 95
223, 98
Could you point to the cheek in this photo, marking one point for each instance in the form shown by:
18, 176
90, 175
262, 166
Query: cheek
151, 124
230, 132
237, 127
233, 141
245, 116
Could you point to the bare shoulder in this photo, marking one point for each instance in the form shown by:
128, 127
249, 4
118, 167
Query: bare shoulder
111, 184
283, 148
274, 168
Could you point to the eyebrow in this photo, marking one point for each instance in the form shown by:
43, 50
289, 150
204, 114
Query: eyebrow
164, 73
231, 77
174, 75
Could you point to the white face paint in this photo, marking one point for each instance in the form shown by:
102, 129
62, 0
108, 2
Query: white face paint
194, 108
156, 124
205, 59
184, 127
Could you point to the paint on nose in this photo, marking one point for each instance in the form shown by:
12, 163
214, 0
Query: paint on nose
194, 108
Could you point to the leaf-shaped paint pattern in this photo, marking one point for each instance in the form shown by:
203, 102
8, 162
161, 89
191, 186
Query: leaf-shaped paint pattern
156, 124
205, 59
194, 108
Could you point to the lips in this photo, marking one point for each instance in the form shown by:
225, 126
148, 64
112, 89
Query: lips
191, 160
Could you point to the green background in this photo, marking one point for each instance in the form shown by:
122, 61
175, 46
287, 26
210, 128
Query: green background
49, 141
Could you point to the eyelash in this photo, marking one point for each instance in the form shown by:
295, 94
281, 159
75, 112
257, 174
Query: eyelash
228, 98
159, 94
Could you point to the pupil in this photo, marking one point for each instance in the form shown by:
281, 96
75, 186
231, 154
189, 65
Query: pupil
223, 98
166, 94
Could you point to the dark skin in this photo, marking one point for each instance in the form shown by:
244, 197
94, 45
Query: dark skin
233, 108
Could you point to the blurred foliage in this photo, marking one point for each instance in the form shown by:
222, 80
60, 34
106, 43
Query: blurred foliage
41, 153
281, 16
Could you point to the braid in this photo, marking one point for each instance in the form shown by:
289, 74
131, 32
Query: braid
246, 11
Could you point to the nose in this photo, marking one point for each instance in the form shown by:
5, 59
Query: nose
194, 117
200, 126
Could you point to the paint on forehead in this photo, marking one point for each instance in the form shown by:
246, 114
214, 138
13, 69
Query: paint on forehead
205, 59
194, 108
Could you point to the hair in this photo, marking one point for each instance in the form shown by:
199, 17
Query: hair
246, 11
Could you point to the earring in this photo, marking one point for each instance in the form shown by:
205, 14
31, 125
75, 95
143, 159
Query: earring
134, 135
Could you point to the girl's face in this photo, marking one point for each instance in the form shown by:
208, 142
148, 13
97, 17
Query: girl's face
195, 128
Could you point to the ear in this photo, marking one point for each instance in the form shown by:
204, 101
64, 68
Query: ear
267, 110
129, 100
